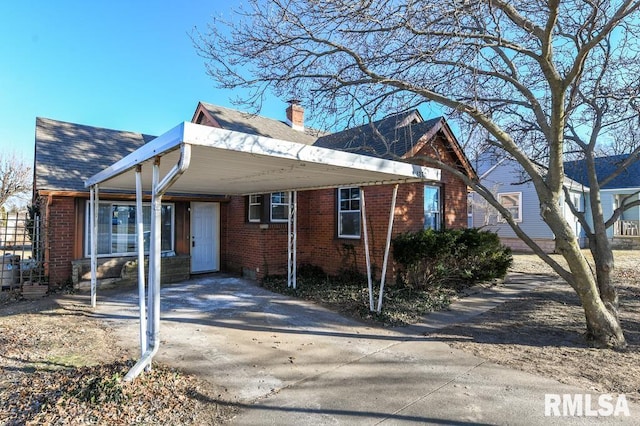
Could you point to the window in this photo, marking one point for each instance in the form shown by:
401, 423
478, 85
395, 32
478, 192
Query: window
117, 228
349, 212
512, 201
255, 208
279, 206
470, 196
432, 207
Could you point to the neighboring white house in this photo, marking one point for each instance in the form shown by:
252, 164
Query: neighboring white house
624, 188
506, 179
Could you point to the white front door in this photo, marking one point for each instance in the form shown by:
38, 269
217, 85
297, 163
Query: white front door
205, 237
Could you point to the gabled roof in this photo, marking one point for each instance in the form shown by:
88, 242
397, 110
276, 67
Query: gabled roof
393, 136
605, 166
238, 121
66, 154
397, 136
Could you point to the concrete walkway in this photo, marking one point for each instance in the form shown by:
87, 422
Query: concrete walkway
288, 362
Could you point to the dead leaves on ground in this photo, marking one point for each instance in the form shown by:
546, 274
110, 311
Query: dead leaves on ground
98, 395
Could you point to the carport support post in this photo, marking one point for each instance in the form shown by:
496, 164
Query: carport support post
93, 223
386, 248
366, 247
154, 262
141, 279
158, 188
292, 243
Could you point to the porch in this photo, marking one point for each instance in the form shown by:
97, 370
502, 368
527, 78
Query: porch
626, 228
626, 235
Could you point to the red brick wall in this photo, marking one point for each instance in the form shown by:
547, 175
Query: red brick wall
455, 190
263, 250
60, 241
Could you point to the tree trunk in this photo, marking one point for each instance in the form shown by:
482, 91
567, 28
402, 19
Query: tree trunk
603, 326
601, 250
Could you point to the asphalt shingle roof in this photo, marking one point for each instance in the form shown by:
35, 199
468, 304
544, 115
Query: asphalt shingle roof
252, 124
391, 137
629, 178
66, 154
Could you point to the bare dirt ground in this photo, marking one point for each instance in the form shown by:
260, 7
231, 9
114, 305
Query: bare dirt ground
542, 332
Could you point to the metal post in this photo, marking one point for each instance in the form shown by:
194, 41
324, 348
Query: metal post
158, 188
141, 277
363, 211
292, 240
386, 248
93, 221
154, 261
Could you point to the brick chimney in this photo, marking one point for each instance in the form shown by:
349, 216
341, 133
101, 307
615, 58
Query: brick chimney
295, 115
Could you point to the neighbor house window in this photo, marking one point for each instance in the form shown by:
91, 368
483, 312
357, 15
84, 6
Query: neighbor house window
117, 228
279, 206
512, 201
255, 208
432, 207
349, 212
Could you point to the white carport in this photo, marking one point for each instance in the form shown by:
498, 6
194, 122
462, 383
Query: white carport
195, 159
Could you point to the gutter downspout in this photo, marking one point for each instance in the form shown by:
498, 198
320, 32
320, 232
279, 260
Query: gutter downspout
141, 274
153, 323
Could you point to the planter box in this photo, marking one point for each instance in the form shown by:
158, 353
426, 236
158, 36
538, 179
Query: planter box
34, 291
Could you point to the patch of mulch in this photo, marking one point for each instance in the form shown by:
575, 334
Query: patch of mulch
350, 297
543, 333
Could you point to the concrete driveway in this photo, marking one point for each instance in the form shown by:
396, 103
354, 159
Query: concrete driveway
286, 361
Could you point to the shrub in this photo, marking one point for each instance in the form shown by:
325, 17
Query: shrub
455, 258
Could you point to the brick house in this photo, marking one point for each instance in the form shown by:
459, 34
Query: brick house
250, 232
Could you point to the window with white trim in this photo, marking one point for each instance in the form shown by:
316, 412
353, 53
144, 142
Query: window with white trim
349, 212
432, 207
279, 206
255, 208
117, 228
511, 201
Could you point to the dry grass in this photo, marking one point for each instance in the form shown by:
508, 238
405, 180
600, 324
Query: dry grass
542, 333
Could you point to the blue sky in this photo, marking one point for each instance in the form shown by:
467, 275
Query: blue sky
127, 65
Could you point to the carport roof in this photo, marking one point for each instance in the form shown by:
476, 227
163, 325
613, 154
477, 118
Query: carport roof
224, 162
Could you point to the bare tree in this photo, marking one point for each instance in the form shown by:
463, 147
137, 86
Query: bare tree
538, 79
15, 177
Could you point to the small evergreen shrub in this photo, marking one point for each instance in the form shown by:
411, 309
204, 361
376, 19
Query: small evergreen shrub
452, 257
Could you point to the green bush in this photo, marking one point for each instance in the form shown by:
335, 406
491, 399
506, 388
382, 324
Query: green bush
452, 257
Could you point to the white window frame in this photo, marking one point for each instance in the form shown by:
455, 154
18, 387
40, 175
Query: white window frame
254, 200
502, 195
340, 212
87, 233
285, 204
439, 212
